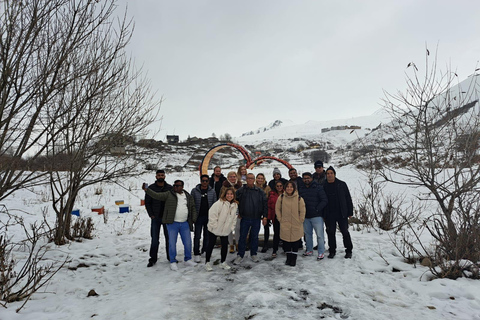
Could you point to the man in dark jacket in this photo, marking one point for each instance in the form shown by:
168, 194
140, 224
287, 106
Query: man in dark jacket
319, 175
204, 196
339, 208
155, 212
292, 173
179, 215
252, 210
216, 180
315, 201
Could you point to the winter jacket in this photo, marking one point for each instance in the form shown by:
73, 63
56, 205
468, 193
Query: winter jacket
253, 202
265, 189
197, 196
319, 178
227, 184
273, 182
272, 201
222, 218
344, 199
170, 199
217, 186
155, 207
298, 182
290, 212
315, 200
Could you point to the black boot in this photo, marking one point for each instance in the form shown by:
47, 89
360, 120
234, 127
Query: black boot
293, 260
289, 259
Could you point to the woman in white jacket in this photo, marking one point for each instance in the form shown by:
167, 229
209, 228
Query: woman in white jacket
221, 222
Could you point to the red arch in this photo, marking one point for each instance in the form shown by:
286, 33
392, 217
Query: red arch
249, 163
259, 160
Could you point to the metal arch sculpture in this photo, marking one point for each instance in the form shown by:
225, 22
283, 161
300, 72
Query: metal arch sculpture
249, 163
259, 160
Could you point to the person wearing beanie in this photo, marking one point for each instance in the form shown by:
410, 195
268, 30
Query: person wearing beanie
319, 175
277, 176
337, 211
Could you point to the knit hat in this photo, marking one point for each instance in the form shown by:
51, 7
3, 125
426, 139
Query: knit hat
276, 170
318, 164
331, 168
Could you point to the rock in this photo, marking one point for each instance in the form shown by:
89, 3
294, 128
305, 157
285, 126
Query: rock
92, 293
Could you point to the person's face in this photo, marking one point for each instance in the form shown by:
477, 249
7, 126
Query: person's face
160, 177
232, 178
250, 180
279, 187
260, 180
276, 176
293, 174
319, 170
204, 183
289, 189
330, 176
178, 187
243, 170
229, 196
217, 172
307, 180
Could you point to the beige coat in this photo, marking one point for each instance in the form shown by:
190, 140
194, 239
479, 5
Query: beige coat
290, 212
222, 218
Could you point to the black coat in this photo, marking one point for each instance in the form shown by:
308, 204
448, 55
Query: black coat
253, 202
315, 200
219, 185
156, 207
344, 199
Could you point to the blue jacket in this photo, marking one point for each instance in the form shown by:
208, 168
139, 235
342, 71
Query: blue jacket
197, 196
315, 200
253, 202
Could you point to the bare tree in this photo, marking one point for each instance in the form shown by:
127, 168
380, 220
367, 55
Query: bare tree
435, 131
33, 56
68, 93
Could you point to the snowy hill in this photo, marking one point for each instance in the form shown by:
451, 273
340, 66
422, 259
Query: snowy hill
312, 130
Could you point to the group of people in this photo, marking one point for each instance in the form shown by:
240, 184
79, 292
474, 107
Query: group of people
239, 204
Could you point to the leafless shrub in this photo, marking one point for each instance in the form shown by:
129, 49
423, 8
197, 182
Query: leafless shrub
83, 228
127, 227
20, 278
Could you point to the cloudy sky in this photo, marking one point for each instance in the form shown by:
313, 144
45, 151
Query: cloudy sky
233, 66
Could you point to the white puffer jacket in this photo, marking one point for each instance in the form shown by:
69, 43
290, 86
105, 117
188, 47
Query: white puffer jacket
222, 217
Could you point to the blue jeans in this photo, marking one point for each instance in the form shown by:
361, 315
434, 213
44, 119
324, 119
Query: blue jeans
173, 230
246, 225
308, 226
155, 227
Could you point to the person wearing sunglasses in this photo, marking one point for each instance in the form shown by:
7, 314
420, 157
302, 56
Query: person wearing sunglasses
179, 215
204, 196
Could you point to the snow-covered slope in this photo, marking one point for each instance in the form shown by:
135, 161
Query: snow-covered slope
312, 130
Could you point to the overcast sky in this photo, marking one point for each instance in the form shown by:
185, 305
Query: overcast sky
233, 66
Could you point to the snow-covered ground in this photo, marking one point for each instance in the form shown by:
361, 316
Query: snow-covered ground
374, 284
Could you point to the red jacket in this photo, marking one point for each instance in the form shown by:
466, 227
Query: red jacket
272, 200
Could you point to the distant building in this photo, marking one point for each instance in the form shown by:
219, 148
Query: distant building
172, 139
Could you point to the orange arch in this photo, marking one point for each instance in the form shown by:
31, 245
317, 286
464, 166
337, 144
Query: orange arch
203, 167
